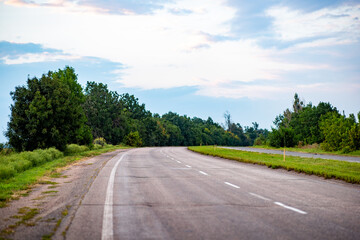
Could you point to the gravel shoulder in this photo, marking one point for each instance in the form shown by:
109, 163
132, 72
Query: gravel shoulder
298, 154
50, 207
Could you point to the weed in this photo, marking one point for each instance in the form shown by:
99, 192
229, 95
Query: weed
48, 192
55, 175
39, 198
48, 182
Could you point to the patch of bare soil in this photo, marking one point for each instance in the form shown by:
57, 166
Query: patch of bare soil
49, 208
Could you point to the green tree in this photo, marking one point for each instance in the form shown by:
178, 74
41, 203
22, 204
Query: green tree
304, 121
48, 113
105, 113
282, 137
340, 133
133, 139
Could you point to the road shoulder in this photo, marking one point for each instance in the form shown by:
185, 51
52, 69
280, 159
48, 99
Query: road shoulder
49, 208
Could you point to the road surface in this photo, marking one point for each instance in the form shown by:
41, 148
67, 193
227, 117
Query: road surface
172, 193
298, 154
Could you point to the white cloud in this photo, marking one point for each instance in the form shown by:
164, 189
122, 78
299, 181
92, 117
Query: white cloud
245, 91
325, 43
37, 57
163, 50
64, 5
342, 21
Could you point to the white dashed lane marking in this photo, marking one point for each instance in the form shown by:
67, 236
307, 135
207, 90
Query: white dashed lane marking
232, 185
290, 208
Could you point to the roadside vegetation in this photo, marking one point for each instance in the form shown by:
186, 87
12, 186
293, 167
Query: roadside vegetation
346, 171
306, 125
55, 111
20, 171
314, 148
54, 121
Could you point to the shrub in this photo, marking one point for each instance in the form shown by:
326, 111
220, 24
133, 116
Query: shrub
100, 141
281, 136
74, 148
133, 139
19, 162
7, 171
34, 157
21, 165
5, 149
261, 140
97, 146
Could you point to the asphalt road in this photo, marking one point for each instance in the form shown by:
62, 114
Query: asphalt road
172, 193
298, 154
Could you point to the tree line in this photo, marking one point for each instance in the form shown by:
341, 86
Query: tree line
54, 110
321, 124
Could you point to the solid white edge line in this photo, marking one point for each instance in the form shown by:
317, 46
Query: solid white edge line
290, 208
204, 173
230, 184
188, 166
107, 227
259, 196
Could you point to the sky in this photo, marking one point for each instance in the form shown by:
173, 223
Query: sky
195, 57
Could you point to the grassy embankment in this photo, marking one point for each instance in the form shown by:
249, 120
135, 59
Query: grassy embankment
347, 171
311, 149
20, 171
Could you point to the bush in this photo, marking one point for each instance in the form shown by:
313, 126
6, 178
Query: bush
5, 149
100, 141
340, 133
21, 165
133, 139
281, 136
19, 162
74, 148
97, 146
7, 171
260, 140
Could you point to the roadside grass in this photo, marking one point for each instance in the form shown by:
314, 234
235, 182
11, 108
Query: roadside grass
11, 165
346, 171
15, 186
311, 149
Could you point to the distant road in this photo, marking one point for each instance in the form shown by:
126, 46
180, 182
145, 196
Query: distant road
298, 154
172, 193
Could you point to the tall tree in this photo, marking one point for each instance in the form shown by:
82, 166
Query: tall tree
48, 113
105, 112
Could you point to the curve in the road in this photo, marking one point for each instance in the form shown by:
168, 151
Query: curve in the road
172, 193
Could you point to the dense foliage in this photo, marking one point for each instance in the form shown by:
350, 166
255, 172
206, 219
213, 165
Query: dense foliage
48, 113
321, 124
54, 111
105, 113
340, 132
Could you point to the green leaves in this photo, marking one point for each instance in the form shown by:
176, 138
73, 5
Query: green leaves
340, 133
48, 113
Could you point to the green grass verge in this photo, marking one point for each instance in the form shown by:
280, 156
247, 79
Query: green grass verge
347, 171
25, 180
311, 150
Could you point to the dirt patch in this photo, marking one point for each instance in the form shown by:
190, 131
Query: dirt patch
47, 210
